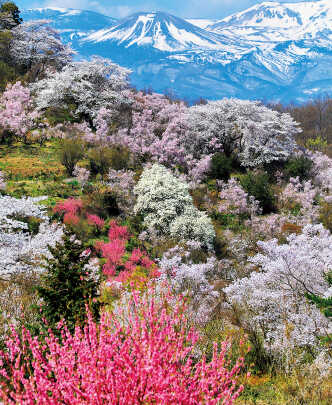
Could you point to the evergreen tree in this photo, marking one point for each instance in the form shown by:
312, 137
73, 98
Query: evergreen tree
9, 15
68, 284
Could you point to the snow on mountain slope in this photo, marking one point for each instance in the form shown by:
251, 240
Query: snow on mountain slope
160, 31
70, 22
271, 51
275, 22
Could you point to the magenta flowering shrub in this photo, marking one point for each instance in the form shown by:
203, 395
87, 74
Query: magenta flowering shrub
95, 220
147, 360
70, 208
16, 110
122, 266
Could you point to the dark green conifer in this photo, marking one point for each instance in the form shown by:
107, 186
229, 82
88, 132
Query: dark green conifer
68, 285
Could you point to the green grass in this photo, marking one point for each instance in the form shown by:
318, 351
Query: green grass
35, 170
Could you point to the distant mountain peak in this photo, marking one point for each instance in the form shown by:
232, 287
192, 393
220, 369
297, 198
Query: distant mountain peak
160, 30
274, 51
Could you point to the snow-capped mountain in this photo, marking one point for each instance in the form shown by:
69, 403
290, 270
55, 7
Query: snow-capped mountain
70, 23
272, 22
271, 51
160, 31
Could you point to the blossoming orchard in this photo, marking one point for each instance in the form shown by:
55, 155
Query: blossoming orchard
151, 251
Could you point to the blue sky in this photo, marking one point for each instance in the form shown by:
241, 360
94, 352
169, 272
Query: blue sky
181, 8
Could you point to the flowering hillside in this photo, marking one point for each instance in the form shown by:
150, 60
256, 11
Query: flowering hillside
153, 252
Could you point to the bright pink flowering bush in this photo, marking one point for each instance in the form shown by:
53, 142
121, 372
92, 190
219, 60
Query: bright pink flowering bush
121, 266
95, 220
149, 359
68, 206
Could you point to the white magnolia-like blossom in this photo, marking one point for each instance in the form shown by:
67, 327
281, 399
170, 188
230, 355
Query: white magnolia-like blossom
168, 208
36, 42
21, 250
273, 300
90, 85
255, 133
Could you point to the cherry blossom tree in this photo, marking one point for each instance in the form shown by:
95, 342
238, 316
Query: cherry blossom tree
21, 250
272, 301
89, 85
36, 43
252, 131
17, 112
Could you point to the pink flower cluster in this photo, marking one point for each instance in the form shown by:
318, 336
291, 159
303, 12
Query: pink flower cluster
235, 200
95, 220
118, 261
70, 208
149, 360
16, 109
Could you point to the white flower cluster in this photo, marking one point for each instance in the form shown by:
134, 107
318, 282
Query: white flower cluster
168, 208
273, 300
90, 85
192, 280
20, 250
257, 134
37, 42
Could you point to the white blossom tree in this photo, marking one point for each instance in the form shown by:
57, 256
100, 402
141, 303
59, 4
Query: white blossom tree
253, 132
20, 249
37, 43
89, 85
168, 208
272, 301
194, 280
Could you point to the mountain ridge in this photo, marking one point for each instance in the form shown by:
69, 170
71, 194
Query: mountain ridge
283, 50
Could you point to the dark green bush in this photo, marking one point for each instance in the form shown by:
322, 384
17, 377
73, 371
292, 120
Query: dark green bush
222, 166
7, 74
298, 167
102, 158
71, 151
258, 185
100, 200
58, 115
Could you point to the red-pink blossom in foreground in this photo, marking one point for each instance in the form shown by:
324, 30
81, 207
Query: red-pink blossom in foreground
147, 360
95, 220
